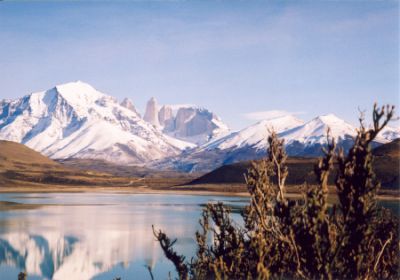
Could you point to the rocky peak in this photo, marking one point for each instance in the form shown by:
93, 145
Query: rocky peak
166, 116
196, 125
127, 103
151, 114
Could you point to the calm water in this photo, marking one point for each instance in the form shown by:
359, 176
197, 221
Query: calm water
97, 236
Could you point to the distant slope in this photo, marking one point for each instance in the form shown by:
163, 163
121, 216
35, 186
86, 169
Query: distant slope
386, 167
387, 164
300, 171
15, 155
122, 170
21, 166
391, 150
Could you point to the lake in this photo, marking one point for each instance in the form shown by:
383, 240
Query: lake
100, 235
97, 235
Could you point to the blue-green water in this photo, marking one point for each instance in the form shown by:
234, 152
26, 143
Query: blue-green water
97, 235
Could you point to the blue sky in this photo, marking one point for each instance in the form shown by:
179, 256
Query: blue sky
233, 57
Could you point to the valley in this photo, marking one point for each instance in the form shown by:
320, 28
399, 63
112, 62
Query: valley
24, 170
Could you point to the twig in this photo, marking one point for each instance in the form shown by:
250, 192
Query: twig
381, 252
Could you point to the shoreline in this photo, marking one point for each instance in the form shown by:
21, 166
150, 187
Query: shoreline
120, 190
181, 190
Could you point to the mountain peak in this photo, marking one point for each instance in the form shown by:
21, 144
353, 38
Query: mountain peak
153, 100
76, 85
280, 123
255, 135
329, 118
315, 130
76, 120
151, 113
288, 117
79, 93
127, 103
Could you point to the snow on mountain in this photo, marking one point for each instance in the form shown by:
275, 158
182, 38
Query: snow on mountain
76, 120
185, 122
166, 116
309, 138
127, 103
315, 131
390, 133
195, 125
255, 135
175, 107
249, 143
301, 139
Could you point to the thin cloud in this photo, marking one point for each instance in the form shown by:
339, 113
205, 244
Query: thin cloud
265, 115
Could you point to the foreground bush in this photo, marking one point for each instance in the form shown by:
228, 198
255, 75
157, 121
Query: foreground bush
304, 239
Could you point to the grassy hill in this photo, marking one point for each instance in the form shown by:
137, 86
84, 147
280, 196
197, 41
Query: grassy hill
22, 167
17, 156
386, 166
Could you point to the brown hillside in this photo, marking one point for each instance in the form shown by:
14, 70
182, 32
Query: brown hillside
387, 164
16, 154
21, 166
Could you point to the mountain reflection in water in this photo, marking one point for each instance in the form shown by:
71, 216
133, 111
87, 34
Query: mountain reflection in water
96, 235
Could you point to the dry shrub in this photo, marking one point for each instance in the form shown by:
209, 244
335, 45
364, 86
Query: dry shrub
303, 239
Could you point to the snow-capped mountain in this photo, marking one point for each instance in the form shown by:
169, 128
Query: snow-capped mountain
389, 133
246, 144
75, 120
315, 131
301, 139
185, 122
127, 103
309, 138
255, 135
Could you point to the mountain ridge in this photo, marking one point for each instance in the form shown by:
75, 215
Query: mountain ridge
74, 120
185, 122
